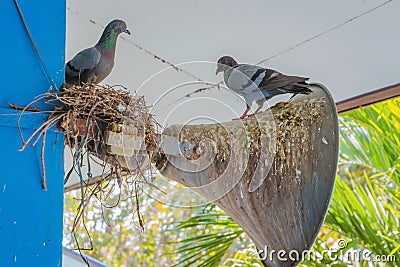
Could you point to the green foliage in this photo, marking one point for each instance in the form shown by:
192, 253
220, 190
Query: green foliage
215, 236
117, 238
371, 215
370, 139
366, 201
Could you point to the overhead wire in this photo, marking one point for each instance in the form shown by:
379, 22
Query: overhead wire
147, 51
296, 45
44, 67
284, 51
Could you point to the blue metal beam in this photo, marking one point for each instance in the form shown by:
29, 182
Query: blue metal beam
22, 74
29, 120
30, 218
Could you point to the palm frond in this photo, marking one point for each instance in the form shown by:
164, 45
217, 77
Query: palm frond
207, 249
369, 137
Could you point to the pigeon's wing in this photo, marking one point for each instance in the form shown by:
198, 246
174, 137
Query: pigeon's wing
81, 64
243, 77
281, 81
254, 82
246, 78
85, 60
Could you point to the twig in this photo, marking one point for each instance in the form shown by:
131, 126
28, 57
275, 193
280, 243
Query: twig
44, 186
15, 107
22, 112
50, 124
138, 207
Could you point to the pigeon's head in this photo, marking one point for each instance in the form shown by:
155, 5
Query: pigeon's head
116, 27
225, 63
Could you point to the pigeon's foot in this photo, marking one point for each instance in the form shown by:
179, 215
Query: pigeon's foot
255, 113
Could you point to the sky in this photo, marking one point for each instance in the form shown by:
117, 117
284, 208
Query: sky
355, 58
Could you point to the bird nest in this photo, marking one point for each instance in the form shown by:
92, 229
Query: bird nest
87, 113
91, 111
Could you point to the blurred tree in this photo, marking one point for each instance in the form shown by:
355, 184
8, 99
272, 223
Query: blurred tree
116, 236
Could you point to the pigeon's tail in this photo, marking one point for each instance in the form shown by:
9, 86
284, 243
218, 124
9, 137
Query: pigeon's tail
295, 89
71, 74
299, 88
303, 89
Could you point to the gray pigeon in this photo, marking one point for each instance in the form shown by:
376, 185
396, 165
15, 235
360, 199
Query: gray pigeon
93, 64
258, 84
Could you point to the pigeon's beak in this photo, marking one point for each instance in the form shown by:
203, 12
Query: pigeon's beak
127, 31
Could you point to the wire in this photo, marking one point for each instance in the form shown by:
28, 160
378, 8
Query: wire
258, 63
46, 71
156, 57
161, 59
300, 44
323, 33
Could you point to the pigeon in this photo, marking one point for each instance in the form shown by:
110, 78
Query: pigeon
258, 84
94, 64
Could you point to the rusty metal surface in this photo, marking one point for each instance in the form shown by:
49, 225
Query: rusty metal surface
276, 184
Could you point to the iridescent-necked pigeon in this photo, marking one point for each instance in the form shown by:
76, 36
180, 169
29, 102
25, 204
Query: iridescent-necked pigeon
93, 64
258, 84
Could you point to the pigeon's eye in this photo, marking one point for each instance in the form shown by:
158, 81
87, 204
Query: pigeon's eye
121, 24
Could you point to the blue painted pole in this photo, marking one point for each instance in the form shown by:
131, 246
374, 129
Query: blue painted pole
30, 217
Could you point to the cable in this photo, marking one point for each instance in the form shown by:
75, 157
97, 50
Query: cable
156, 57
295, 46
161, 59
323, 33
258, 63
46, 71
